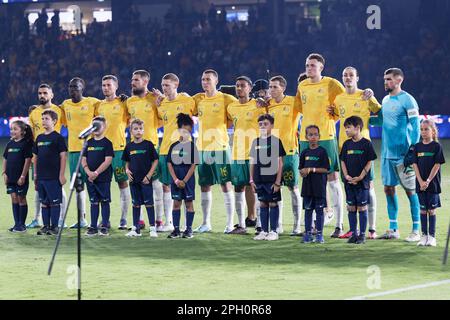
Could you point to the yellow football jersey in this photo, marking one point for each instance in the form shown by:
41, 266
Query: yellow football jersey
77, 117
116, 115
145, 109
168, 111
286, 114
246, 129
347, 105
315, 98
35, 119
212, 116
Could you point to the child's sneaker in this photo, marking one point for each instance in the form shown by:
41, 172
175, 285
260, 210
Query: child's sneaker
141, 224
261, 236
423, 241
296, 233
372, 235
53, 231
175, 234
134, 233
19, 229
307, 238
188, 233
42, 231
91, 232
103, 232
272, 236
352, 239
319, 238
431, 242
361, 239
153, 233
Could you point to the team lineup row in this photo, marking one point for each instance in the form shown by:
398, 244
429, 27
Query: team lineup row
320, 100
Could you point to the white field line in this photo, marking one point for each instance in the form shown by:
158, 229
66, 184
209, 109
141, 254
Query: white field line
385, 293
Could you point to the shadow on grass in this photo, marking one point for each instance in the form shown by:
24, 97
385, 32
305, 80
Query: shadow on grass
216, 248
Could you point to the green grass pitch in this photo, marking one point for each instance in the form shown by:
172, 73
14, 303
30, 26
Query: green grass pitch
218, 266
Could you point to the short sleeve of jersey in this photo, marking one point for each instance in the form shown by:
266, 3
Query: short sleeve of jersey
282, 151
126, 154
109, 152
35, 149
28, 150
343, 155
439, 155
5, 152
301, 164
229, 99
153, 153
253, 152
62, 147
371, 155
324, 161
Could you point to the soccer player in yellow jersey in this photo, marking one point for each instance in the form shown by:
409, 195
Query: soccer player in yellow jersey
213, 147
352, 103
286, 112
173, 104
316, 94
45, 95
77, 115
116, 114
142, 105
244, 115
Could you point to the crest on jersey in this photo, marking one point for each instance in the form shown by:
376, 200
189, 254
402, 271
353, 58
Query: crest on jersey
286, 110
180, 108
84, 108
357, 105
216, 107
116, 108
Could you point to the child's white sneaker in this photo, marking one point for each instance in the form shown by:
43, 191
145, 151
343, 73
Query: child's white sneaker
272, 236
423, 240
261, 236
431, 242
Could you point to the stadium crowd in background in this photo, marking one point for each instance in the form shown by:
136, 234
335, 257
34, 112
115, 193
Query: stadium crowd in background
187, 42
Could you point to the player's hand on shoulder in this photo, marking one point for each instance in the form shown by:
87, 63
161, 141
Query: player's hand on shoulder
367, 94
123, 97
262, 102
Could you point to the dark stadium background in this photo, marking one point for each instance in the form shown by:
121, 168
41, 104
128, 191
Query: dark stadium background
233, 37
